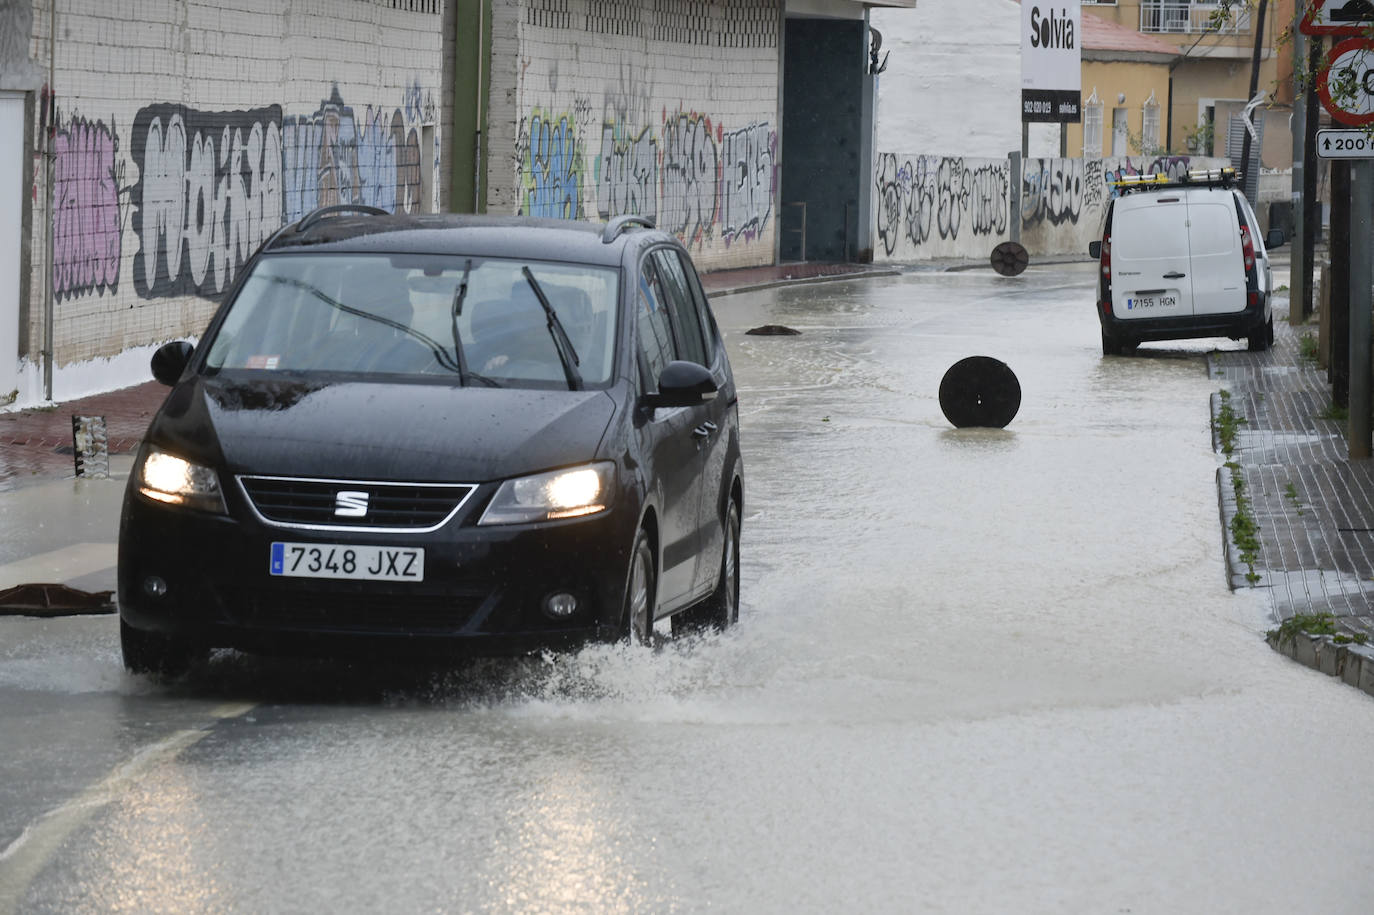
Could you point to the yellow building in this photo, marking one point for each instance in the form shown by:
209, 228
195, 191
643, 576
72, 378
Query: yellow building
1125, 91
1210, 75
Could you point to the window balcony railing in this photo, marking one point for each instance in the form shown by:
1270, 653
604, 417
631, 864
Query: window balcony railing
1184, 18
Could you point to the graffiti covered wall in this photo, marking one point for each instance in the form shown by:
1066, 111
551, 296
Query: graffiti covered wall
949, 207
157, 203
599, 128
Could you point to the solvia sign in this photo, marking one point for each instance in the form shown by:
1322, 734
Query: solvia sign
1051, 61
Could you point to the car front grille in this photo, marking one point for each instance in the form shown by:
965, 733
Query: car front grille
353, 504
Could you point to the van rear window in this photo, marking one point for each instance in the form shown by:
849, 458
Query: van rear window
1212, 228
1149, 231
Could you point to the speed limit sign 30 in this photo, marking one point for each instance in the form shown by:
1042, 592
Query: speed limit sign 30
1346, 87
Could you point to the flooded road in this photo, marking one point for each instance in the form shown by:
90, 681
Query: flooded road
976, 671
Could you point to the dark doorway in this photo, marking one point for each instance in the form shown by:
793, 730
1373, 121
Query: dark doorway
822, 135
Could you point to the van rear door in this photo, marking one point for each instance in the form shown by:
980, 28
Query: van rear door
1218, 268
1150, 264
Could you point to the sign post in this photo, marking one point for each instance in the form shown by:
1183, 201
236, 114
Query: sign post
1051, 61
1346, 89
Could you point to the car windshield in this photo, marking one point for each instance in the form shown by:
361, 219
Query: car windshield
394, 315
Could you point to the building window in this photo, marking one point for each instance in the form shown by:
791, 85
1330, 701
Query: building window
1192, 17
684, 23
1092, 126
612, 17
1149, 127
551, 14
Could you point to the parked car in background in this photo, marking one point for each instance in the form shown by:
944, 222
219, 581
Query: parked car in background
1183, 258
448, 433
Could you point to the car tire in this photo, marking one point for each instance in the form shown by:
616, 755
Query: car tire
154, 653
1111, 346
721, 609
640, 588
1262, 339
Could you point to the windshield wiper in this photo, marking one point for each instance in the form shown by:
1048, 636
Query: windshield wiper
566, 354
459, 295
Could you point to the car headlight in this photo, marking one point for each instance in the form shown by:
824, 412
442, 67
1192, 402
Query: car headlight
569, 493
165, 477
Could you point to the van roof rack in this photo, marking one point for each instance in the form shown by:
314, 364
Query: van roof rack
1194, 177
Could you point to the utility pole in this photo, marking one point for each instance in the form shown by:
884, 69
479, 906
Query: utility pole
1311, 206
1300, 295
1361, 279
1254, 87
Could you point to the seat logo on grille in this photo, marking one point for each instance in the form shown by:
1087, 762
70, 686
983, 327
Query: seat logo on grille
350, 504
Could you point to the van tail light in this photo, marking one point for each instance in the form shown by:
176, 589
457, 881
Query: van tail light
1247, 248
1106, 261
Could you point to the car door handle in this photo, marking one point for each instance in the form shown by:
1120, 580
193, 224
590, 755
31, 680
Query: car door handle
1174, 275
705, 430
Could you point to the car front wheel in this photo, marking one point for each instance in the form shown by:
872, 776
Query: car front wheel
639, 593
154, 653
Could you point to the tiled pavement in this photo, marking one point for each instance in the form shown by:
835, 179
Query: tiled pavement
1314, 506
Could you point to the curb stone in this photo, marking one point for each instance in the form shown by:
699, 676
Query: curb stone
1353, 664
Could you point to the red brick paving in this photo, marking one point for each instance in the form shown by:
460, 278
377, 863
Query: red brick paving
39, 440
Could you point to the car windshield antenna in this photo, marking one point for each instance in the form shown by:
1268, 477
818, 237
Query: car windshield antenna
566, 353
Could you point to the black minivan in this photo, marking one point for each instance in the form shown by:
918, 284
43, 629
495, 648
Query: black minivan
446, 433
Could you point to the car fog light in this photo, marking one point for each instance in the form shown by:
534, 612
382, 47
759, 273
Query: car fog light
155, 586
560, 605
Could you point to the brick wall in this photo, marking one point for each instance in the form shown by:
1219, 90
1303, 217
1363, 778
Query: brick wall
664, 108
188, 130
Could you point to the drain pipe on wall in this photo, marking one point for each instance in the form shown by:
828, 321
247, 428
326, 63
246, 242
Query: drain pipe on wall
49, 157
477, 137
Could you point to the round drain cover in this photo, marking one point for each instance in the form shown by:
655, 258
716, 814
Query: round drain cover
980, 391
1009, 258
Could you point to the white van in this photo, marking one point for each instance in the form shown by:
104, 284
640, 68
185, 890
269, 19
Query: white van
1183, 258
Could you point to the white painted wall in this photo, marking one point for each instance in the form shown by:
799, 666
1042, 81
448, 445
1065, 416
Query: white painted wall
930, 207
953, 82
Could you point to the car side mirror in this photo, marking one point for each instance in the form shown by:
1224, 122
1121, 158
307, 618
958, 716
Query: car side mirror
170, 361
1275, 238
1095, 250
683, 384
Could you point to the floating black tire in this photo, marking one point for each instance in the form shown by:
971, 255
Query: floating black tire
1009, 259
980, 391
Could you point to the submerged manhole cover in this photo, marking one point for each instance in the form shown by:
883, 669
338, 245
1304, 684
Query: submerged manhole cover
980, 391
53, 600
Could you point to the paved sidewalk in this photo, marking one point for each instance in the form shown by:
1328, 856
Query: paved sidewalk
1313, 505
37, 443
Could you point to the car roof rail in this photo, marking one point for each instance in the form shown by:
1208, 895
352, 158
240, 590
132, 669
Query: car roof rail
316, 215
623, 223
